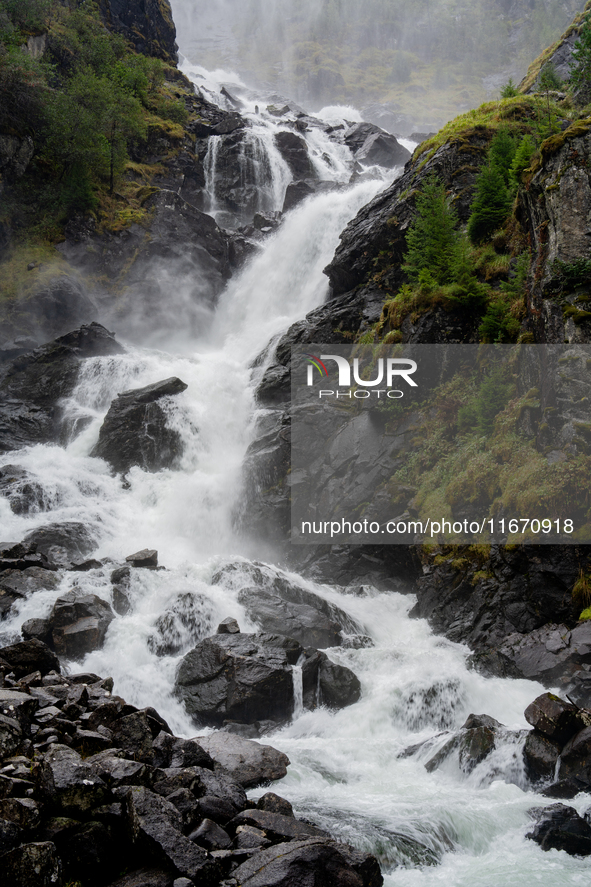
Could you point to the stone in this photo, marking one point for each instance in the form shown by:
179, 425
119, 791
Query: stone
34, 383
10, 836
87, 853
11, 736
273, 803
171, 751
69, 784
560, 827
54, 307
248, 837
40, 629
472, 746
540, 755
371, 145
296, 192
133, 734
157, 824
146, 877
220, 786
31, 865
135, 430
278, 828
79, 624
555, 718
218, 809
23, 491
339, 686
238, 677
228, 626
24, 812
147, 557
287, 865
19, 706
294, 150
248, 763
62, 543
211, 836
27, 656
575, 760
187, 619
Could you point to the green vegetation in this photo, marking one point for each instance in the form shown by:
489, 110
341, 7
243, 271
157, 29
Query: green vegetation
580, 71
88, 103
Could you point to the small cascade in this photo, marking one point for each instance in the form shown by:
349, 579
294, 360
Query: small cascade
210, 168
297, 676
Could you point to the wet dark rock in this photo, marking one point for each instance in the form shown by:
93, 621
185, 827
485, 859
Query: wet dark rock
133, 734
35, 382
211, 836
286, 865
472, 746
473, 721
69, 784
148, 26
555, 718
31, 865
79, 624
28, 656
561, 828
62, 543
135, 430
294, 150
238, 677
575, 760
228, 626
218, 809
540, 755
528, 587
156, 825
24, 812
295, 193
24, 493
339, 686
371, 145
17, 585
275, 804
170, 751
10, 836
11, 736
304, 623
565, 788
554, 655
146, 877
23, 556
248, 763
277, 827
88, 854
219, 785
147, 557
248, 837
19, 706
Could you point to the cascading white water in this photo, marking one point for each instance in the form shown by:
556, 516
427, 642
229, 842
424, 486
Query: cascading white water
210, 163
345, 771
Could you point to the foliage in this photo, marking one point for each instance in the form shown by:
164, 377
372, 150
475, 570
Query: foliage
499, 323
581, 593
84, 103
580, 67
491, 204
492, 396
549, 78
525, 151
509, 90
432, 240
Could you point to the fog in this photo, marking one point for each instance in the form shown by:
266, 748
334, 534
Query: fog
426, 60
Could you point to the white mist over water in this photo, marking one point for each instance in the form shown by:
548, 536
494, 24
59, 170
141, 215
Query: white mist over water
345, 773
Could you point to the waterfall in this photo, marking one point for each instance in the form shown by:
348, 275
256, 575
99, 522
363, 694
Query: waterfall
298, 688
210, 168
346, 773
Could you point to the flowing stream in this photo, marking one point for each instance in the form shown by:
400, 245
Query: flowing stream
444, 827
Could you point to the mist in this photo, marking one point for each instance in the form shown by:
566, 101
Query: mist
405, 65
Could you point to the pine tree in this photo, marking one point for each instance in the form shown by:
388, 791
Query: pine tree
491, 204
580, 67
432, 239
502, 152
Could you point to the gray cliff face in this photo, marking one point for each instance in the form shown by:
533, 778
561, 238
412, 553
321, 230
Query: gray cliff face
147, 24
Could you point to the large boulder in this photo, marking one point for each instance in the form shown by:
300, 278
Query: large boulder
559, 827
54, 307
248, 763
35, 382
17, 585
372, 146
135, 430
312, 861
26, 657
238, 677
555, 718
294, 150
79, 623
31, 865
553, 655
62, 544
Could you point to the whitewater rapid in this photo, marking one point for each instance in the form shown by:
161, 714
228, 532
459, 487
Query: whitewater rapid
345, 773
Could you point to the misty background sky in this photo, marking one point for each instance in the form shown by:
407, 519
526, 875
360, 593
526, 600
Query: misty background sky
429, 59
